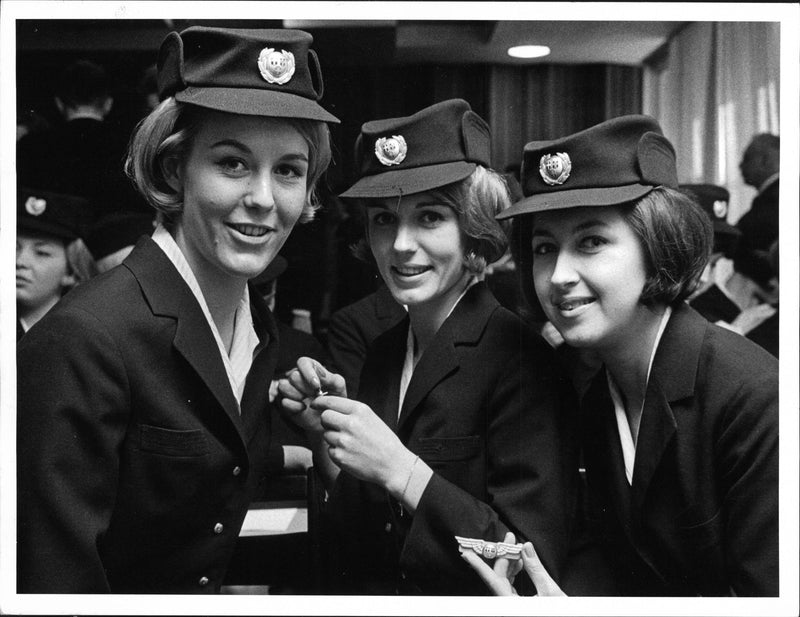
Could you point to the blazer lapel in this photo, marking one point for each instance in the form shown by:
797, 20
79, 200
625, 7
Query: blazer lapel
672, 379
169, 295
465, 325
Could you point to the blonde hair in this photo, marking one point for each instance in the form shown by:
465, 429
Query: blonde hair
167, 133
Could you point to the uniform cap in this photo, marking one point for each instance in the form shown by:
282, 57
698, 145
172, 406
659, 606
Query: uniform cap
251, 72
436, 146
113, 232
54, 214
614, 162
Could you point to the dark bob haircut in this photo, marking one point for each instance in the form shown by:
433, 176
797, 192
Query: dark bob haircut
676, 235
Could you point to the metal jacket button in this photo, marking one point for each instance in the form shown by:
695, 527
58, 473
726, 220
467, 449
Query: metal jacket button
218, 528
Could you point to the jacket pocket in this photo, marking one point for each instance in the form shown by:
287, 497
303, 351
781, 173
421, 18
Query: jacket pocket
449, 448
703, 535
170, 442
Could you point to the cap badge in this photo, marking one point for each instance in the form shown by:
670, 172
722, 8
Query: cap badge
35, 206
555, 168
720, 208
391, 150
277, 67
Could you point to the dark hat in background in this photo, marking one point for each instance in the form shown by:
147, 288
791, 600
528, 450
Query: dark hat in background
113, 232
252, 72
45, 212
436, 146
614, 162
275, 268
714, 201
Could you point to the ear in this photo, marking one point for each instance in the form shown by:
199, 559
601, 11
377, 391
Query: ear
171, 169
68, 281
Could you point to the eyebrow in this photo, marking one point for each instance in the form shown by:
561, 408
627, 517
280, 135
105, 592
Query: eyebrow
422, 204
235, 143
578, 228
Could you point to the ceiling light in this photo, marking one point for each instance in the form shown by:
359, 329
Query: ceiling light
528, 51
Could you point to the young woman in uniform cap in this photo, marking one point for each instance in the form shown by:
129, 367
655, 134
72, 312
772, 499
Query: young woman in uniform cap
458, 427
680, 426
51, 255
143, 401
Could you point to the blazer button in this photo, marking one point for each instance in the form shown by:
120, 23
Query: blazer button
388, 528
237, 470
218, 528
203, 581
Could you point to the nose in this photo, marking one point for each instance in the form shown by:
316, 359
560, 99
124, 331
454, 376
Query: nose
404, 239
565, 274
260, 192
22, 257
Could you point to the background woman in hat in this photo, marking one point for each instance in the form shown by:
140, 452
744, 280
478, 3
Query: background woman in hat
144, 399
51, 256
457, 428
680, 428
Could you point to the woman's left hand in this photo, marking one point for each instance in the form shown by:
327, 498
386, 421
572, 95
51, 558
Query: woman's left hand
362, 444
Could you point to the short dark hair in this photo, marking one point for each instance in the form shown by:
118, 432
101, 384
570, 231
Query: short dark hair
476, 200
83, 82
675, 234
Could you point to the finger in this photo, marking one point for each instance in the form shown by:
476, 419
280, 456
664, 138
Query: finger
335, 403
292, 407
308, 370
288, 390
332, 420
502, 564
497, 585
545, 585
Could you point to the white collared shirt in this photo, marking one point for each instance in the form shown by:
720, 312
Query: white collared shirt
409, 365
624, 429
245, 340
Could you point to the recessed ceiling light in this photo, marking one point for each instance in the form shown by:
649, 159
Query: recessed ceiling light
528, 51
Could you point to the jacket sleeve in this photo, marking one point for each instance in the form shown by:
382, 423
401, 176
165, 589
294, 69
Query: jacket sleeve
347, 349
747, 466
72, 411
532, 479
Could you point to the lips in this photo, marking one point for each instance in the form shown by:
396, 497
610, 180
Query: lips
571, 304
253, 231
410, 270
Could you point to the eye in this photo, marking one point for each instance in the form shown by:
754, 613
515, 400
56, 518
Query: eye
543, 248
430, 217
381, 218
232, 165
592, 243
291, 171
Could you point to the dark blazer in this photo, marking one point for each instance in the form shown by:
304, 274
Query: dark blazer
135, 468
352, 330
483, 409
759, 227
702, 514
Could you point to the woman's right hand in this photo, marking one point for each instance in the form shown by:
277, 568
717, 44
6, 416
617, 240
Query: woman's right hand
308, 380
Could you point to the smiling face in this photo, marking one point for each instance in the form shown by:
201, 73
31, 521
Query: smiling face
419, 250
589, 270
42, 271
243, 183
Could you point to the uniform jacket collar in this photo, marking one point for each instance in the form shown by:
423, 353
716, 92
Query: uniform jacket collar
168, 295
462, 329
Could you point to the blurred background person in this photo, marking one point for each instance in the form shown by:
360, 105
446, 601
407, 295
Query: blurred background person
760, 167
712, 299
51, 256
83, 154
113, 236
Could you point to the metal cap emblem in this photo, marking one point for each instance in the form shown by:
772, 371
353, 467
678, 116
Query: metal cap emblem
555, 168
35, 206
720, 209
391, 150
277, 67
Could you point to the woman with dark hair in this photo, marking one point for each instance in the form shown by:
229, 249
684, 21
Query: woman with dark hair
680, 428
143, 424
458, 428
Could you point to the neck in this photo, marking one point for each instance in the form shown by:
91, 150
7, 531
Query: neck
30, 316
628, 360
426, 319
